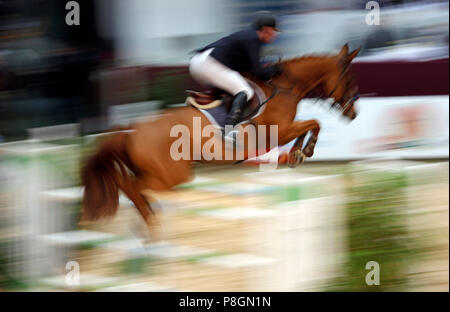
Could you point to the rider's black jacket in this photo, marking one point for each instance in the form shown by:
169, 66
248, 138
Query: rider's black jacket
240, 51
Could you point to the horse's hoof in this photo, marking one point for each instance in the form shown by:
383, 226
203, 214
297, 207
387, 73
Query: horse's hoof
309, 148
308, 151
296, 158
154, 230
283, 159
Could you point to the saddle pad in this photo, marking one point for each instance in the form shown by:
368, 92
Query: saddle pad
217, 115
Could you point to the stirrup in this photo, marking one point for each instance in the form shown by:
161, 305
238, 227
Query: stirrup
230, 136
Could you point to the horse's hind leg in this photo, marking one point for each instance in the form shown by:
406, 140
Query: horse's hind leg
149, 216
146, 181
133, 192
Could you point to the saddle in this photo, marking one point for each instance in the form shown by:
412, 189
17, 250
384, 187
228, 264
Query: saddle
215, 103
214, 97
206, 99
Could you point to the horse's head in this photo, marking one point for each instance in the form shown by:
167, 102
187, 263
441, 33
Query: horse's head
340, 84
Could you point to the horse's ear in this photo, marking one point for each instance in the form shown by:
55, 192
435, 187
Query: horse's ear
353, 54
344, 52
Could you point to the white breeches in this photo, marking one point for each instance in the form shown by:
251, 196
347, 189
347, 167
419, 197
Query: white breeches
209, 72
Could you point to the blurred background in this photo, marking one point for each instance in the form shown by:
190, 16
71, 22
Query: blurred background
375, 190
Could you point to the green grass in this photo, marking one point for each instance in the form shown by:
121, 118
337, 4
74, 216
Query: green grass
377, 231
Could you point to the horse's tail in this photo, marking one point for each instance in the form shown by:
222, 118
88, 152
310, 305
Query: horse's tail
102, 176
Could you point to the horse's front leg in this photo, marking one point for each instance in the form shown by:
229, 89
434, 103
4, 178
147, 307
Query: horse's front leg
311, 144
299, 129
296, 155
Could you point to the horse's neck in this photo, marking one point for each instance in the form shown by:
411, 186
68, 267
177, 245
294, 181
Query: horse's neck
302, 76
307, 73
282, 107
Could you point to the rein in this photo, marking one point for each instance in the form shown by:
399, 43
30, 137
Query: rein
276, 89
349, 102
274, 93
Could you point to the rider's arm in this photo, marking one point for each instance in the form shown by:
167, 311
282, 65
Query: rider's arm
263, 73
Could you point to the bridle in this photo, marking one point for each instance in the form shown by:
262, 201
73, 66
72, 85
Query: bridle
277, 89
349, 99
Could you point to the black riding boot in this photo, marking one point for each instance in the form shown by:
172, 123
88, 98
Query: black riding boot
237, 106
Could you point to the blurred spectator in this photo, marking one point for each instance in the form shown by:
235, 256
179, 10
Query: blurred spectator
47, 67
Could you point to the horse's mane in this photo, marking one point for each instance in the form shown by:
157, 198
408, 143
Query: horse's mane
304, 58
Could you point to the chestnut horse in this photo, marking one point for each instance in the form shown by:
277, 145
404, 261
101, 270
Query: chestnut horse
141, 159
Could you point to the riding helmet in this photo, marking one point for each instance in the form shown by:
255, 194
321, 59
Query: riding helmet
265, 19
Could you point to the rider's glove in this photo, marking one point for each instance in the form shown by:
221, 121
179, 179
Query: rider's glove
275, 70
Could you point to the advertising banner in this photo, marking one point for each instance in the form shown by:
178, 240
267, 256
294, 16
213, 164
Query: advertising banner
397, 127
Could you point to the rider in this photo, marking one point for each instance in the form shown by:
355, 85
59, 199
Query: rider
219, 64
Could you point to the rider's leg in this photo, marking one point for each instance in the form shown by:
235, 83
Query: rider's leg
209, 71
238, 104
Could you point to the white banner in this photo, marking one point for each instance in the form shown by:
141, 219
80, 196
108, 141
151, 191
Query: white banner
398, 127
